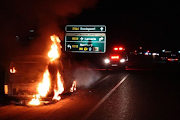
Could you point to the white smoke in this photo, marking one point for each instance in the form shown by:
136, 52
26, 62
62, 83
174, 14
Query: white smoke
85, 77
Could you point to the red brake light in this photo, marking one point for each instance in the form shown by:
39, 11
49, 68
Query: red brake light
169, 59
115, 48
120, 48
115, 57
176, 59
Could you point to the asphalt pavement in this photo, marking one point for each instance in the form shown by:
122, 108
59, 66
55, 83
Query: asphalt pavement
144, 95
135, 94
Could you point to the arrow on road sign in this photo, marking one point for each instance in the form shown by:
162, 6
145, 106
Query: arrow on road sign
101, 38
69, 46
101, 28
81, 38
90, 49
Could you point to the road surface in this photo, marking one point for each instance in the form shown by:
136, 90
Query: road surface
134, 94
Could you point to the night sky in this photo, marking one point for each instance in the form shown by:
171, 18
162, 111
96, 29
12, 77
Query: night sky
154, 25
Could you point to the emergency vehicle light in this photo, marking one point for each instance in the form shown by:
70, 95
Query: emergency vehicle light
115, 57
120, 48
115, 48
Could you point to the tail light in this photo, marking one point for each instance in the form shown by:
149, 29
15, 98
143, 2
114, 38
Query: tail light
5, 89
115, 48
169, 59
120, 48
176, 59
115, 57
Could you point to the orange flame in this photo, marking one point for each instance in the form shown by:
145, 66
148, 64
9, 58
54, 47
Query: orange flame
43, 89
54, 52
73, 88
59, 89
13, 70
35, 100
44, 86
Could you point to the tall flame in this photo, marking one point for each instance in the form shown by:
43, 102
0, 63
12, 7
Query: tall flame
54, 52
44, 86
43, 89
59, 89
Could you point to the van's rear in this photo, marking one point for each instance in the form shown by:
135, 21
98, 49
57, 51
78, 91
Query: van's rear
23, 77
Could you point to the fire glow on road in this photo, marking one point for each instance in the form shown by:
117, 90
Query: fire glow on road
103, 99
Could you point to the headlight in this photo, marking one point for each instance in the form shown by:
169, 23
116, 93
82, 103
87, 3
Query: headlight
122, 60
106, 60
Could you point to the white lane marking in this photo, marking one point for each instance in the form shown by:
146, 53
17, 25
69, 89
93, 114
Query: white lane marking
101, 80
103, 99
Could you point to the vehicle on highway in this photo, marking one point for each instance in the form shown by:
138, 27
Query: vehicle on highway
116, 59
172, 59
163, 58
24, 74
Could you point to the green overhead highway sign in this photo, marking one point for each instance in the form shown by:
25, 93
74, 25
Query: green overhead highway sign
85, 36
85, 28
85, 42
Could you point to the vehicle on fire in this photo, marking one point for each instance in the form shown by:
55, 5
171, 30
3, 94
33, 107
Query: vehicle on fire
25, 73
116, 59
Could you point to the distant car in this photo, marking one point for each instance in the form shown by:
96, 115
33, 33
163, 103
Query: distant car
172, 59
163, 58
117, 59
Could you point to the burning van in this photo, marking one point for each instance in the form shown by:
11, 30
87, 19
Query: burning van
24, 74
36, 77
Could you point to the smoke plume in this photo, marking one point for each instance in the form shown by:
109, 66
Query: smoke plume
46, 17
85, 77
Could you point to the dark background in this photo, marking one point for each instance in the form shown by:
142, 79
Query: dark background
154, 25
